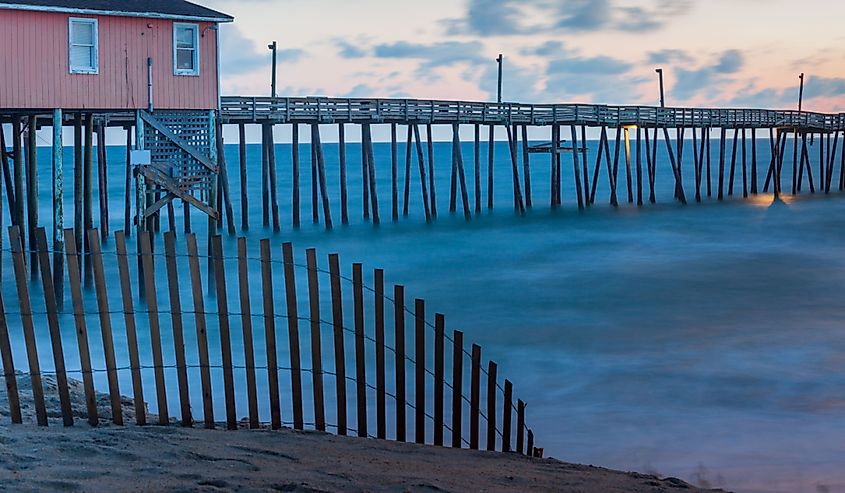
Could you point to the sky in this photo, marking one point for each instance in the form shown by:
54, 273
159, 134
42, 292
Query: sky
719, 53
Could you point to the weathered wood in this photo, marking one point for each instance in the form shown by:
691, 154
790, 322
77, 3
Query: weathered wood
365, 177
602, 142
16, 245
87, 185
293, 333
575, 163
56, 338
202, 331
530, 448
457, 387
155, 330
316, 346
475, 397
492, 389
520, 427
584, 167
271, 173
408, 151
7, 178
477, 169
131, 330
518, 203
491, 145
17, 169
459, 161
721, 194
795, 175
554, 156
680, 143
734, 143
421, 163
31, 155
295, 186
341, 144
265, 179
371, 174
654, 157
177, 326
339, 350
453, 188
360, 355
394, 173
102, 181
649, 168
628, 174
75, 281
399, 361
9, 375
105, 321
439, 379
526, 166
246, 330
753, 161
321, 173
269, 312
506, 416
709, 179
432, 189
223, 181
613, 174
639, 161
225, 332
381, 393
679, 182
697, 154
831, 162
744, 166
243, 175
419, 356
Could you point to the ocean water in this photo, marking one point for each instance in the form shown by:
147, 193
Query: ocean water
703, 341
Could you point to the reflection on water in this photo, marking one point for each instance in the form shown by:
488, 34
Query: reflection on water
704, 342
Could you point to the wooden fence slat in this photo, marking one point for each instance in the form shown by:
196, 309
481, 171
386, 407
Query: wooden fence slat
399, 351
19, 263
506, 417
55, 330
316, 346
339, 350
293, 336
520, 426
475, 397
270, 334
381, 397
419, 387
491, 406
225, 332
105, 322
155, 329
246, 328
530, 446
178, 328
75, 281
360, 356
457, 386
439, 347
131, 329
202, 330
9, 366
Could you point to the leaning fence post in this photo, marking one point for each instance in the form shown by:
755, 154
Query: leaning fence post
246, 328
339, 350
155, 330
131, 330
316, 347
506, 417
419, 387
439, 343
225, 335
270, 334
79, 319
9, 368
530, 450
55, 331
457, 386
475, 397
491, 406
360, 370
399, 351
202, 330
293, 336
381, 397
178, 329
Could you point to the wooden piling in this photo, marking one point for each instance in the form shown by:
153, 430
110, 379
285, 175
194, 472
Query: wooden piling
613, 173
75, 281
697, 154
295, 194
246, 328
176, 324
628, 174
58, 208
129, 321
360, 354
316, 346
575, 163
744, 166
554, 158
475, 397
341, 150
439, 378
584, 168
269, 312
639, 161
271, 173
202, 331
293, 331
491, 144
31, 161
721, 195
526, 166
394, 173
649, 169
56, 339
734, 143
795, 176
432, 188
17, 168
339, 350
602, 145
459, 161
15, 242
381, 377
155, 330
679, 182
492, 389
243, 175
365, 178
477, 169
223, 184
408, 151
371, 174
103, 182
399, 362
518, 203
421, 163
87, 187
321, 173
457, 387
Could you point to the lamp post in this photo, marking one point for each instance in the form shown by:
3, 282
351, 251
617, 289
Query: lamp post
272, 47
801, 92
500, 61
662, 95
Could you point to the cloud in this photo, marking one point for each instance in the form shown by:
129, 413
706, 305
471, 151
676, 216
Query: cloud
238, 54
708, 78
669, 56
349, 50
547, 49
598, 65
730, 62
435, 55
822, 87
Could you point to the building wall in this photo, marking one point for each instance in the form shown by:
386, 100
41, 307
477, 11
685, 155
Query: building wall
34, 65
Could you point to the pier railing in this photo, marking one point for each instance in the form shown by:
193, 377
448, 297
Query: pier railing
454, 400
347, 110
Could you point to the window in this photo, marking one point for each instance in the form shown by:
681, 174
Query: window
186, 59
83, 56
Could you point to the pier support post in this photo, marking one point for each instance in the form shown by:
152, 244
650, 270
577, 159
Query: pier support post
341, 144
243, 175
432, 188
526, 167
295, 207
491, 144
555, 149
31, 158
58, 210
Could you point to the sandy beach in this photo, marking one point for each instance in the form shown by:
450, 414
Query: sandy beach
155, 458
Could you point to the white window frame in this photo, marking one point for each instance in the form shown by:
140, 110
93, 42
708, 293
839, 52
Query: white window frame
83, 70
196, 70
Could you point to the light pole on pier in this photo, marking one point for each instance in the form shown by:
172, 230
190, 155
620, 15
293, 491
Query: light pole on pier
801, 92
500, 61
272, 47
662, 95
